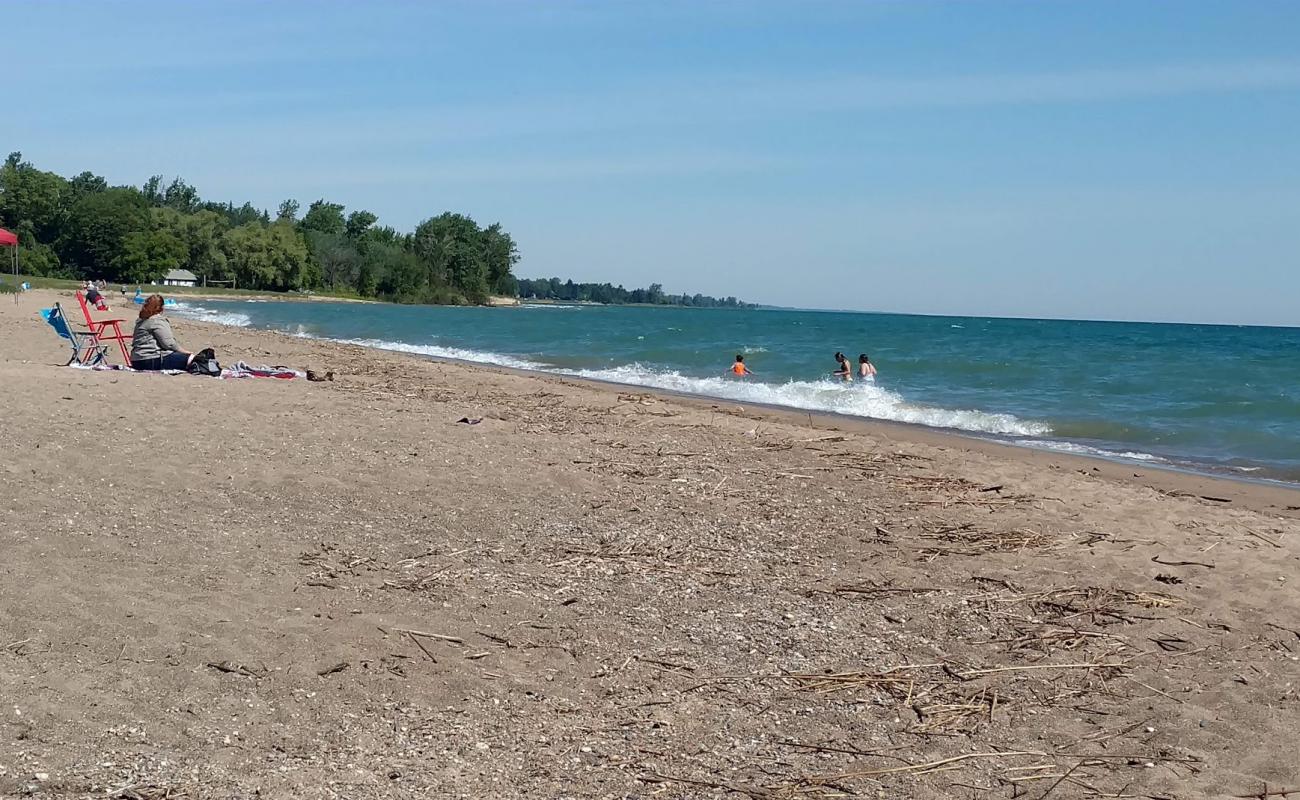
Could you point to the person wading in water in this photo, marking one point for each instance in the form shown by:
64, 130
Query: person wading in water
845, 372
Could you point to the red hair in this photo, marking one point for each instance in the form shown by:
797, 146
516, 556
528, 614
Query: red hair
153, 304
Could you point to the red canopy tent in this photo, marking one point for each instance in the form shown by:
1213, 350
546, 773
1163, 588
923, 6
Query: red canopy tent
10, 239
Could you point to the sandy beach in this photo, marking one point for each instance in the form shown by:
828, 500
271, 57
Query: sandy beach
264, 588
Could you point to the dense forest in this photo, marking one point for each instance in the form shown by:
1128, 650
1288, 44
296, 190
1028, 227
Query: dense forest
83, 228
570, 292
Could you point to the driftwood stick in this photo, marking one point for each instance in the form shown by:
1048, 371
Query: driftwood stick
438, 636
821, 748
1137, 756
494, 638
975, 672
1281, 628
1159, 560
931, 765
666, 664
1057, 783
423, 649
232, 668
1262, 537
1157, 691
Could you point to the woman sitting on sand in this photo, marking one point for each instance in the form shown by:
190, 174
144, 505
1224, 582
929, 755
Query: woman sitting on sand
153, 346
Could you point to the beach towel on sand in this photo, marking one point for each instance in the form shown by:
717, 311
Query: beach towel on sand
244, 370
239, 370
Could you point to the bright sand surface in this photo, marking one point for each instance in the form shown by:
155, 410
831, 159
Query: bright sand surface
225, 588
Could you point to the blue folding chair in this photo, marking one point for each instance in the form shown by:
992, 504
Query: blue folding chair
86, 347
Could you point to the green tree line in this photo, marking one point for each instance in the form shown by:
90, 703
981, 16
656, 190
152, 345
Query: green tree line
82, 227
568, 291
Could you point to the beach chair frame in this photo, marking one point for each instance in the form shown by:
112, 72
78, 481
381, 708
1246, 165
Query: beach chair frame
87, 349
100, 328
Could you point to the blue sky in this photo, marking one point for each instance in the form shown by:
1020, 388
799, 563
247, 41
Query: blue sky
1094, 159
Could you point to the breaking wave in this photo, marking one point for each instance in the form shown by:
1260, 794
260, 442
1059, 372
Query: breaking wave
234, 319
860, 399
853, 399
437, 351
1088, 450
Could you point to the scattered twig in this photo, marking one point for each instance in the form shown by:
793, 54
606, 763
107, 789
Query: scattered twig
232, 668
930, 766
1057, 783
440, 637
666, 664
1133, 757
877, 590
420, 645
1211, 498
1159, 560
821, 748
1157, 691
494, 638
1281, 628
1262, 537
974, 672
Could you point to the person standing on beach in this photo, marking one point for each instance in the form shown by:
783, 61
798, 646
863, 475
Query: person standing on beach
844, 372
739, 369
866, 370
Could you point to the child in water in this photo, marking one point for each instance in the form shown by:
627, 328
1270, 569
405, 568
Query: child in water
739, 369
866, 370
844, 372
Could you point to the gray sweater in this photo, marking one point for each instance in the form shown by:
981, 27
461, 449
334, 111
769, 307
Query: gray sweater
152, 338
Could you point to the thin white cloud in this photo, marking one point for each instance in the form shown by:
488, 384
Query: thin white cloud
853, 92
323, 121
507, 170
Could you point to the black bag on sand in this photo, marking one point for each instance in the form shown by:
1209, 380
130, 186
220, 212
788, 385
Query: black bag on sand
205, 363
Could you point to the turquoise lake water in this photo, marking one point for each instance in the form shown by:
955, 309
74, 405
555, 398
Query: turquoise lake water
1212, 398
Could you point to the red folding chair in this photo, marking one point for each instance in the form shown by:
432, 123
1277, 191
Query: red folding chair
100, 328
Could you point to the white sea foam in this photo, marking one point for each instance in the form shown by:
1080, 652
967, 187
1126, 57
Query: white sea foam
1088, 450
855, 399
437, 351
860, 399
209, 315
